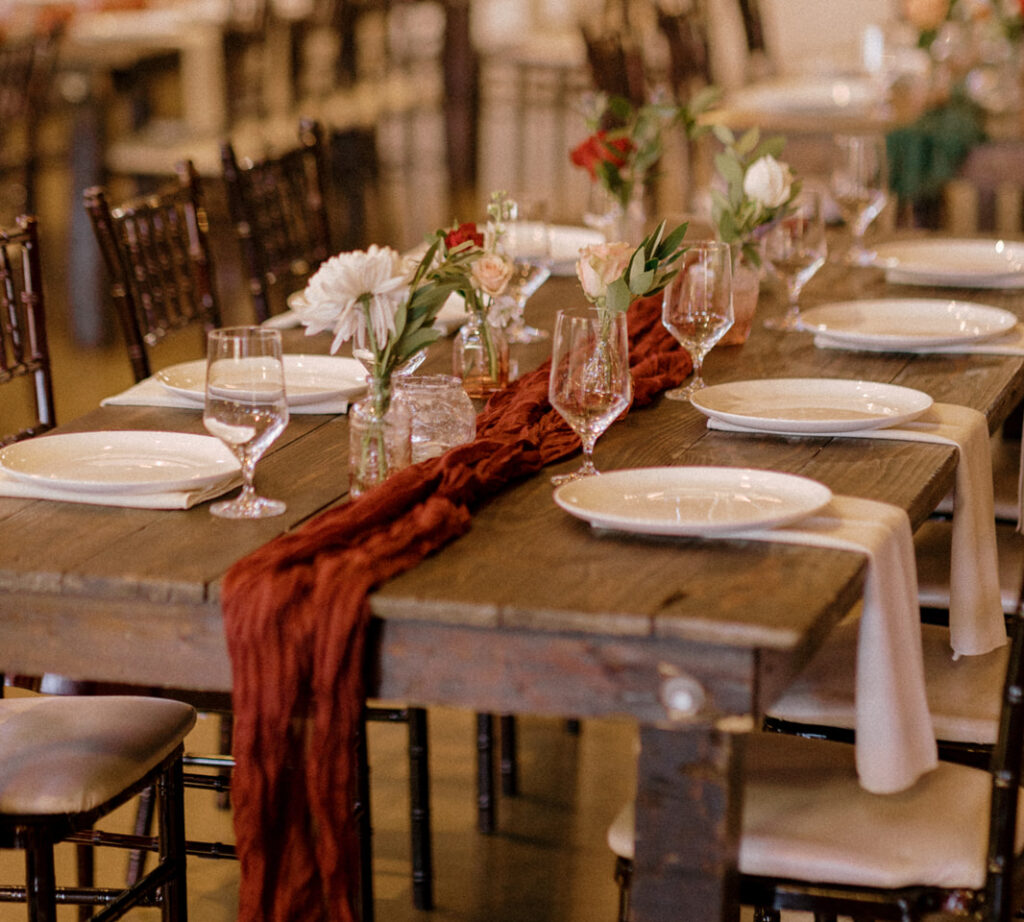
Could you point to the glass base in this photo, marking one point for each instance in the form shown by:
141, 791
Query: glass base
587, 470
683, 394
525, 334
859, 256
787, 322
257, 508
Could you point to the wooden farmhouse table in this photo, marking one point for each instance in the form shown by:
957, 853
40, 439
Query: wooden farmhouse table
531, 611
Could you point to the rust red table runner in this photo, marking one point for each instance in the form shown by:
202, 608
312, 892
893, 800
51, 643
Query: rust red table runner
295, 613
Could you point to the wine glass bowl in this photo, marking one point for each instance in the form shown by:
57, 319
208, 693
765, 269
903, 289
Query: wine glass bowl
590, 382
795, 247
697, 306
859, 185
525, 239
245, 407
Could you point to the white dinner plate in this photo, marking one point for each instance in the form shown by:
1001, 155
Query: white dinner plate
952, 263
566, 243
307, 378
907, 322
136, 461
701, 501
807, 405
808, 95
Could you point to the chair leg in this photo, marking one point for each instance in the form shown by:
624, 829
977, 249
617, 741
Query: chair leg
171, 806
365, 827
419, 808
40, 883
624, 878
486, 806
86, 869
226, 733
143, 827
509, 762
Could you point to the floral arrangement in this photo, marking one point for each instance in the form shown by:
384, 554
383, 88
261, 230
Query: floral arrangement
928, 16
613, 275
625, 141
388, 305
758, 187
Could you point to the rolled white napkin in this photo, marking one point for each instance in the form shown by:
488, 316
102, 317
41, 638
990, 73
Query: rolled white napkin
151, 393
895, 739
975, 611
450, 317
171, 499
1009, 343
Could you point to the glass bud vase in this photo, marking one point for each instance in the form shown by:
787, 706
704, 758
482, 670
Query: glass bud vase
442, 415
480, 357
380, 437
746, 287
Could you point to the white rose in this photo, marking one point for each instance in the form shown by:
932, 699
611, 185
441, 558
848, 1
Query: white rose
768, 182
601, 264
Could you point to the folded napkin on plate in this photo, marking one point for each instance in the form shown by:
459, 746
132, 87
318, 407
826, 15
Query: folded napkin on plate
151, 393
1009, 343
975, 609
895, 740
171, 499
449, 318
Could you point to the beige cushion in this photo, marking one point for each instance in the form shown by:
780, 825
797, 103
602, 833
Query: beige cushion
806, 817
70, 754
932, 548
963, 695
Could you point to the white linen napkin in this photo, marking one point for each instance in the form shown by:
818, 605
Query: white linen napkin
151, 393
1009, 343
171, 499
450, 317
895, 739
975, 611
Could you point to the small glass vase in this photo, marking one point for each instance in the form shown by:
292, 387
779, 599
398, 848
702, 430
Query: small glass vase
380, 438
746, 287
442, 415
480, 357
617, 222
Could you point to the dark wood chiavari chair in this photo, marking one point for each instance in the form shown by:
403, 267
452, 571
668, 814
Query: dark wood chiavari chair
157, 253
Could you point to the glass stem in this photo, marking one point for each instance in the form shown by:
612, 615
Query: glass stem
248, 493
587, 467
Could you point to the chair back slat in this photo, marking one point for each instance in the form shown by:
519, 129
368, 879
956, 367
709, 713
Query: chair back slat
24, 350
279, 207
157, 253
1006, 778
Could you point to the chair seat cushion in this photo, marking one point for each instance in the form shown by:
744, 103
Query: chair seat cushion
932, 543
806, 817
71, 754
964, 695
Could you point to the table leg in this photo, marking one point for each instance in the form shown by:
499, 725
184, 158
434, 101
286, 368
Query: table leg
688, 806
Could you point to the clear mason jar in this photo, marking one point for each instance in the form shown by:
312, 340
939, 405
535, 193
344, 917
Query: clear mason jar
441, 413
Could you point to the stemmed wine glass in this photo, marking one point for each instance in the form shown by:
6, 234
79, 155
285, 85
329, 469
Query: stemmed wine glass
245, 407
697, 306
859, 185
524, 237
590, 383
796, 248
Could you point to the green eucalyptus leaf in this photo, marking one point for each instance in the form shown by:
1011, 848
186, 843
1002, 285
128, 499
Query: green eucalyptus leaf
618, 296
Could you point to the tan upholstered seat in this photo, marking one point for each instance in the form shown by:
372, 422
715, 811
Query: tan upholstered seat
71, 754
805, 817
963, 694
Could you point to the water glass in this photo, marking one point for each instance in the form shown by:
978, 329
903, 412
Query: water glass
246, 407
442, 415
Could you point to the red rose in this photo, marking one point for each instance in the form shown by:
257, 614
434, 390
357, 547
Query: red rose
599, 149
462, 233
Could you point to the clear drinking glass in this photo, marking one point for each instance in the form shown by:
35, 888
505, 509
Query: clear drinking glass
525, 238
245, 407
590, 383
859, 185
795, 248
697, 306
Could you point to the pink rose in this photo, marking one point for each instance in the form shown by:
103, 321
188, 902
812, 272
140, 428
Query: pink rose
491, 273
601, 264
926, 15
